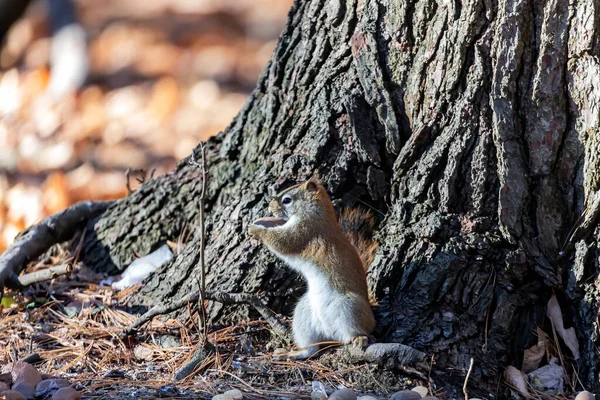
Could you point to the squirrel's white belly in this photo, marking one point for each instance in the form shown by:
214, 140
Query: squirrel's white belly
329, 307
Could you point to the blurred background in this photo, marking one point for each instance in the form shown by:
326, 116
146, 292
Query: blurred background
118, 85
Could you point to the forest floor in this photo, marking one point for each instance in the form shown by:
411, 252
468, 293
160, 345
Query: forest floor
74, 325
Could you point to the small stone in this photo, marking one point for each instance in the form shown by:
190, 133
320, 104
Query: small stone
343, 394
22, 372
66, 393
433, 398
314, 395
234, 394
144, 353
4, 386
406, 395
26, 389
422, 390
318, 386
12, 395
229, 395
585, 395
367, 398
48, 386
167, 341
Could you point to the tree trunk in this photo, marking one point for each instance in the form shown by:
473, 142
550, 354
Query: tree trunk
470, 127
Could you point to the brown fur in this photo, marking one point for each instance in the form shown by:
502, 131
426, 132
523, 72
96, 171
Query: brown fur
359, 225
318, 238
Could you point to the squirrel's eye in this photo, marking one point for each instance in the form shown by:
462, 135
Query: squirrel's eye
286, 200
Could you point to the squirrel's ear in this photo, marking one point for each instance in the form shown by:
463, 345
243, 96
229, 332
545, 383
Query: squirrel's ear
310, 186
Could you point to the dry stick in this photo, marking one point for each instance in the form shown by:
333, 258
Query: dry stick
201, 353
584, 224
45, 274
467, 379
226, 298
203, 347
202, 289
127, 178
429, 375
143, 174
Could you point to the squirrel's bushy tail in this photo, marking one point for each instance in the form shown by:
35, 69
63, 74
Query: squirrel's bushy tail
358, 226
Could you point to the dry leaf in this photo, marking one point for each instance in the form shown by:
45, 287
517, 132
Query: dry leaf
164, 98
55, 193
36, 81
533, 355
568, 335
516, 379
549, 378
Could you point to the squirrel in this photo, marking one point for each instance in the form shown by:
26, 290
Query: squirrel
305, 233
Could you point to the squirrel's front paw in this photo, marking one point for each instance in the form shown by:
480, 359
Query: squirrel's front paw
254, 231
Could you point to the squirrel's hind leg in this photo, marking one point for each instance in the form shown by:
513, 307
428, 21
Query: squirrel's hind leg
306, 329
306, 332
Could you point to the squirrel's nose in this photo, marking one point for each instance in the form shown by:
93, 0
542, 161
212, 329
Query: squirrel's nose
273, 206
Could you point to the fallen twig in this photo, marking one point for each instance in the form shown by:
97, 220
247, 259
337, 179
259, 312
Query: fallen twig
45, 274
202, 285
429, 374
203, 350
584, 224
467, 379
226, 298
38, 238
127, 178
204, 347
143, 174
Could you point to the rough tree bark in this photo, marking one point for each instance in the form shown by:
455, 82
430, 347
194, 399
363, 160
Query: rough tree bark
470, 126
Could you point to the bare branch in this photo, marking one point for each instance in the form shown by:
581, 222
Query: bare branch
143, 175
467, 379
203, 350
45, 274
226, 298
202, 285
127, 179
584, 224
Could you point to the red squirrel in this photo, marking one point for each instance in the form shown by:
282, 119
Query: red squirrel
305, 233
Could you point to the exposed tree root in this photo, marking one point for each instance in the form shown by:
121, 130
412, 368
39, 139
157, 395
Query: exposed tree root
278, 327
202, 352
37, 239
